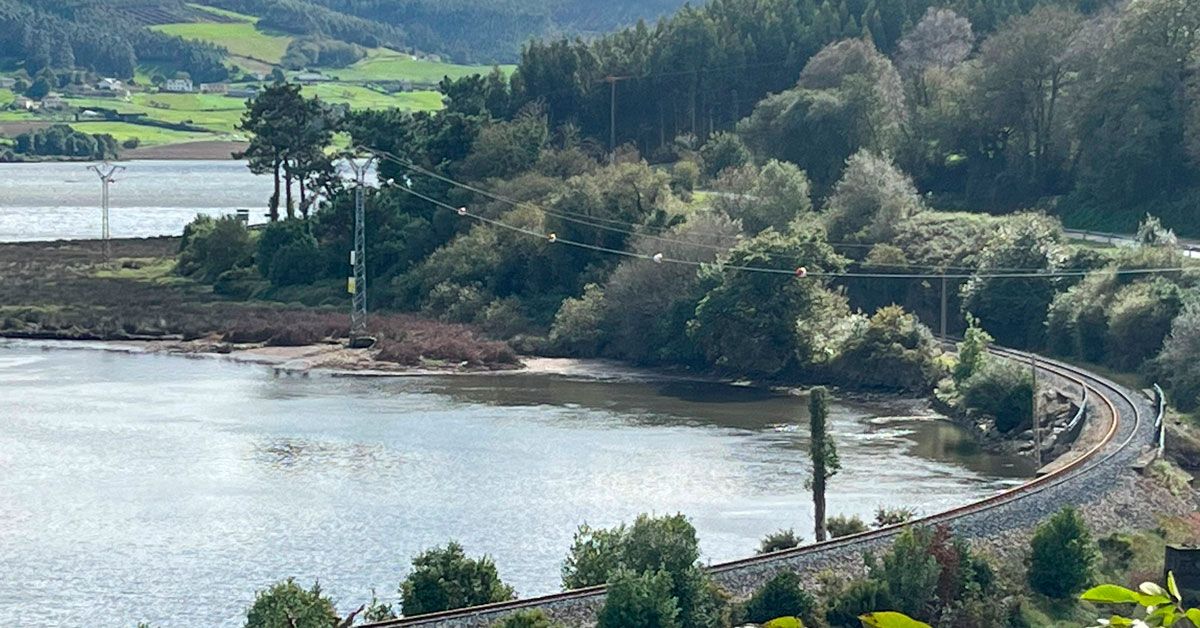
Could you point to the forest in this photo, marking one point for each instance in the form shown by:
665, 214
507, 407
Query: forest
91, 35
804, 245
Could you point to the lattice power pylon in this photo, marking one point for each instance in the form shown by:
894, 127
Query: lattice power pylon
358, 257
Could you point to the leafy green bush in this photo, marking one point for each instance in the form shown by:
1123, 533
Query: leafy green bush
530, 618
211, 247
1139, 319
273, 237
685, 175
722, 151
760, 324
642, 600
895, 351
841, 525
845, 603
288, 605
782, 596
872, 197
780, 540
1002, 390
578, 327
1063, 556
444, 579
892, 516
1176, 366
972, 351
297, 263
652, 545
910, 572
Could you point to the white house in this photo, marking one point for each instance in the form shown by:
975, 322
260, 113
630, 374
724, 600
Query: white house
214, 88
110, 85
178, 86
24, 104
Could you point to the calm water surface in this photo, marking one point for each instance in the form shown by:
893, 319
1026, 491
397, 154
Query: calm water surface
52, 201
163, 489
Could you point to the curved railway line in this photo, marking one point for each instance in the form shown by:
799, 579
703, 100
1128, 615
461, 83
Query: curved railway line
1130, 422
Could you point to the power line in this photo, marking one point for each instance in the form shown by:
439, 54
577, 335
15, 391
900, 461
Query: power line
623, 229
800, 272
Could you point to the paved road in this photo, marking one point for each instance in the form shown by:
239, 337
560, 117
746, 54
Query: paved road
1190, 249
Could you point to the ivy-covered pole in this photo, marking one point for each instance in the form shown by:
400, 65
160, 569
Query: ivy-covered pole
823, 452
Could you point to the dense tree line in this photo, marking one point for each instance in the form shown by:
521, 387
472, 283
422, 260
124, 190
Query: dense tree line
989, 105
61, 140
313, 19
98, 37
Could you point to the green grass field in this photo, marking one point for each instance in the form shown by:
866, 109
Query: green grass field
381, 64
147, 135
360, 97
242, 39
6, 97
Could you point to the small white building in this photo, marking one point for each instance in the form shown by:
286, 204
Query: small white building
178, 86
23, 103
214, 88
110, 85
311, 77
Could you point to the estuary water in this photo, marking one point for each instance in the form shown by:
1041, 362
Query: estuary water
61, 201
168, 490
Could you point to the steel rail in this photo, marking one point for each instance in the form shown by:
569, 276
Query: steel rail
1094, 387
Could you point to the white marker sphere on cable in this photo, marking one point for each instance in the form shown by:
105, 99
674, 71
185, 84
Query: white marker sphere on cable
658, 258
462, 211
553, 237
802, 272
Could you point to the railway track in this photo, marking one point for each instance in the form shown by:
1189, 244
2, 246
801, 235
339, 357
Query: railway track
1130, 427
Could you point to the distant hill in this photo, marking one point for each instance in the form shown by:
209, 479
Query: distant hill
115, 37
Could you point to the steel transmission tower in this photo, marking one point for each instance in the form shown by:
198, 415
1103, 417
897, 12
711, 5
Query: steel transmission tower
358, 257
106, 172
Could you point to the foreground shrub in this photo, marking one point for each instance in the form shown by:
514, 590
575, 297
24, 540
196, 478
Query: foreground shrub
780, 540
892, 516
444, 579
1063, 556
781, 596
530, 618
845, 602
641, 600
652, 545
842, 525
1002, 390
288, 605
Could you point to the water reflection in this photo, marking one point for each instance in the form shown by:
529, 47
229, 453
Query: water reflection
132, 482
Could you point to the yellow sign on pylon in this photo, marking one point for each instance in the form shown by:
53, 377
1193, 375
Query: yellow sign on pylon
350, 285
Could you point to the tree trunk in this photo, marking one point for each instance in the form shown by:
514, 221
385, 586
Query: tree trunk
274, 205
819, 502
303, 201
287, 178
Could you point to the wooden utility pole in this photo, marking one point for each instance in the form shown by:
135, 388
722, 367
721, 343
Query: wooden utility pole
1033, 406
943, 305
612, 117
